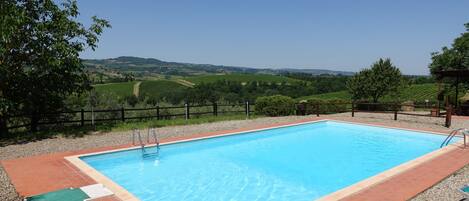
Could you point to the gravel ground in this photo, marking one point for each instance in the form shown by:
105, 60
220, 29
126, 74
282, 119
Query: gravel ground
446, 190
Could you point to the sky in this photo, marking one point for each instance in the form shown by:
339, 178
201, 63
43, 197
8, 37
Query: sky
335, 35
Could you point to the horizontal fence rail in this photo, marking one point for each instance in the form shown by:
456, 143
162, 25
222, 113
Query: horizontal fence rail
424, 110
86, 117
90, 117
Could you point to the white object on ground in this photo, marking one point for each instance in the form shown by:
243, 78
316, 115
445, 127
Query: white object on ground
96, 191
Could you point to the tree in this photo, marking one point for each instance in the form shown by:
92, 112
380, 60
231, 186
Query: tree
39, 56
453, 58
381, 79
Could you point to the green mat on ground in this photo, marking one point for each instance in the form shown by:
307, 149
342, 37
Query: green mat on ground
465, 189
74, 194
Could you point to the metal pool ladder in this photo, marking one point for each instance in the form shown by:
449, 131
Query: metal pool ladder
151, 133
463, 131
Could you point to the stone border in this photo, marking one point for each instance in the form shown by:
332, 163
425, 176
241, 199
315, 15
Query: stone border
125, 195
387, 174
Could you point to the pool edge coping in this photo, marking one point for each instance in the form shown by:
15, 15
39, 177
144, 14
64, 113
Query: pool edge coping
352, 189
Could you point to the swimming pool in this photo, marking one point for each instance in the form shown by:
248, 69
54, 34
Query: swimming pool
301, 162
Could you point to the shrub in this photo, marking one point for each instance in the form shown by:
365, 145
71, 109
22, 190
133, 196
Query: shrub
337, 105
276, 105
325, 106
132, 100
312, 105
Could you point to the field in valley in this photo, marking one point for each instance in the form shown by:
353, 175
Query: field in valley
417, 93
241, 78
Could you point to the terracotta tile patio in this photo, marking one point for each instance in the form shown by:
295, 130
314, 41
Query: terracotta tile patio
45, 173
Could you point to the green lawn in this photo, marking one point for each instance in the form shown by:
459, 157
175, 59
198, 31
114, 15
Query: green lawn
156, 87
418, 93
240, 78
123, 126
121, 89
78, 131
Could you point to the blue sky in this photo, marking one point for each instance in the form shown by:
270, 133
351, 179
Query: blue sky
335, 35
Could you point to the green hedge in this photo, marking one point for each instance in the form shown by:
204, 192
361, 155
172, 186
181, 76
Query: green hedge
277, 105
368, 106
325, 106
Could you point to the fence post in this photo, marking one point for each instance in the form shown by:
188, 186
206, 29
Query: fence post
317, 109
157, 112
186, 106
123, 113
82, 122
353, 109
215, 109
449, 112
247, 109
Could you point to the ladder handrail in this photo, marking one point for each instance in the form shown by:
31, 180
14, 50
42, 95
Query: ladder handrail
151, 132
453, 133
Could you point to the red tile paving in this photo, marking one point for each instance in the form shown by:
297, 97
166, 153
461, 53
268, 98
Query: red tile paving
44, 173
410, 183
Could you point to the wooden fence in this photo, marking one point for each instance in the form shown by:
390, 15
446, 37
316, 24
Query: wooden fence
86, 117
387, 108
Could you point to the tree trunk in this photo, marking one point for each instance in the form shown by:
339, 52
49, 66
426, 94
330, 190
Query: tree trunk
3, 127
375, 106
34, 121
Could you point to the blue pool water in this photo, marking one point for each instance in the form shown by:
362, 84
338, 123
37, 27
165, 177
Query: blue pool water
302, 162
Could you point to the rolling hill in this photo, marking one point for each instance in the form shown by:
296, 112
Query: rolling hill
116, 67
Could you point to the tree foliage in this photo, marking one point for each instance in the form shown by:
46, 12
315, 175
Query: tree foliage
322, 83
381, 79
454, 57
39, 55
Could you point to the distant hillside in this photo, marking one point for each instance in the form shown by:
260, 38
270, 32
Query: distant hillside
315, 71
117, 67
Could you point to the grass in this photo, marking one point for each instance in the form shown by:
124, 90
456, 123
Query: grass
78, 131
154, 88
149, 87
241, 78
417, 93
172, 122
120, 89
